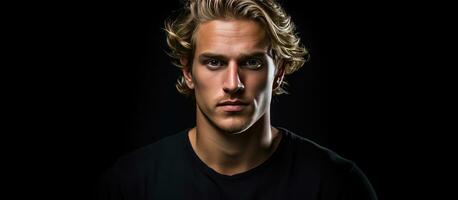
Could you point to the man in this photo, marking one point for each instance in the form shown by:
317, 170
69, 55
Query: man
234, 55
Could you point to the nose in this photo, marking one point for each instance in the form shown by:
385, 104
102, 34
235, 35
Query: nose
232, 83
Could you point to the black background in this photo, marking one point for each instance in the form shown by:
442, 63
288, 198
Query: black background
99, 84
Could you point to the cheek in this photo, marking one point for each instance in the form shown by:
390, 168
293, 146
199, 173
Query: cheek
206, 84
259, 83
261, 89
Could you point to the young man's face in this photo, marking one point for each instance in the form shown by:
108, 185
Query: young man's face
232, 74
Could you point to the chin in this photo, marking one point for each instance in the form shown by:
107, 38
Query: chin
234, 126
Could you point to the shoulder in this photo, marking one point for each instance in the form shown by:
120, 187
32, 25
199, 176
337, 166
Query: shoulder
162, 149
312, 153
129, 174
149, 157
336, 175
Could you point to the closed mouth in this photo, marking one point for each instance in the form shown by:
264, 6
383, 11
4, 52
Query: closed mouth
232, 103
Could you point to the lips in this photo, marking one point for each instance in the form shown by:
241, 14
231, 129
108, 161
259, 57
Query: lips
233, 105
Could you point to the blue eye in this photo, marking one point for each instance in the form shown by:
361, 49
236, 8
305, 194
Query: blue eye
253, 63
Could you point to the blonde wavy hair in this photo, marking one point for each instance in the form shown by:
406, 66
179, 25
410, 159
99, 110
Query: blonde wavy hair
285, 46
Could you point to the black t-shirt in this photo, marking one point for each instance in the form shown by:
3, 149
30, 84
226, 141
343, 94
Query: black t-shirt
298, 169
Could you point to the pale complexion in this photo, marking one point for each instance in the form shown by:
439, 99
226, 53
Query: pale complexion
233, 76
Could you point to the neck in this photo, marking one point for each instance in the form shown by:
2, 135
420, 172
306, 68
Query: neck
229, 153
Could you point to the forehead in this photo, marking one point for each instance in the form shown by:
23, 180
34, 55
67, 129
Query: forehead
230, 37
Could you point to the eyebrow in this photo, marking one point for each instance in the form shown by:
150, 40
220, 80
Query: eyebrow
240, 57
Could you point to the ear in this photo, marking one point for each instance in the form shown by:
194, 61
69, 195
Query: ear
279, 76
187, 72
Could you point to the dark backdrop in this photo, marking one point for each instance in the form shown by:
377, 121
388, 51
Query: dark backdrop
110, 89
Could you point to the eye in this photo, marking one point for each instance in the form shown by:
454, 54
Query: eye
253, 63
213, 63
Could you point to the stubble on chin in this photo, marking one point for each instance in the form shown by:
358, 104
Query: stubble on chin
230, 126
